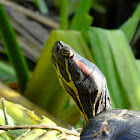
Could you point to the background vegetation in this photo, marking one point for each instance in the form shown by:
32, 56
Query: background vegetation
106, 33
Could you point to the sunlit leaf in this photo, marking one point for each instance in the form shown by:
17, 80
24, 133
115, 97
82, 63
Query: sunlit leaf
114, 57
129, 27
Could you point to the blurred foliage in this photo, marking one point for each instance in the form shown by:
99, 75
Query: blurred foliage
7, 73
120, 66
20, 116
129, 27
42, 6
63, 15
110, 50
82, 16
13, 50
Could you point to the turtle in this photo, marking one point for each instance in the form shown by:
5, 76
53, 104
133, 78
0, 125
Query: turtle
87, 86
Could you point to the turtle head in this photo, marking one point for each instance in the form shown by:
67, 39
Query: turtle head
82, 80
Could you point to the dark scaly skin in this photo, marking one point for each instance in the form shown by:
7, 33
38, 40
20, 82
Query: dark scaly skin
83, 81
114, 124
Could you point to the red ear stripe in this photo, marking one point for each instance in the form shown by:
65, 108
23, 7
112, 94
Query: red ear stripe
82, 66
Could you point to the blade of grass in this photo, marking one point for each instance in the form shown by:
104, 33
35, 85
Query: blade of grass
41, 4
129, 27
7, 73
103, 57
3, 136
81, 19
114, 56
13, 50
136, 36
63, 15
126, 66
138, 64
99, 7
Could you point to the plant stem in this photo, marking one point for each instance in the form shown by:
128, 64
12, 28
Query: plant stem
63, 15
82, 19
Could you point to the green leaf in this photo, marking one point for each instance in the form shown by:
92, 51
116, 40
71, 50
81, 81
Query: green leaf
7, 73
114, 57
126, 66
3, 136
138, 64
24, 116
11, 121
41, 4
101, 52
13, 50
63, 15
129, 27
35, 134
136, 36
82, 19
11, 133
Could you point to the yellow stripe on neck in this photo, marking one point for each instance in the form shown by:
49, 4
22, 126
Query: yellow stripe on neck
72, 85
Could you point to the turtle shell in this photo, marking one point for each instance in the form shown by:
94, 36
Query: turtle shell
114, 124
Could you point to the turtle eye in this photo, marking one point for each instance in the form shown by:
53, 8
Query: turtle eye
66, 52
